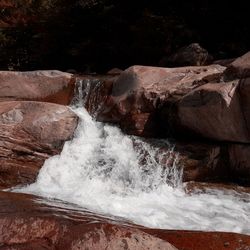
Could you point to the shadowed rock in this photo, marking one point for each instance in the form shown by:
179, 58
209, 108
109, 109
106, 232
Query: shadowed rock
191, 55
239, 68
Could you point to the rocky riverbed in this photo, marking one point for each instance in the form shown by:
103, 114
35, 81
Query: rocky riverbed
166, 148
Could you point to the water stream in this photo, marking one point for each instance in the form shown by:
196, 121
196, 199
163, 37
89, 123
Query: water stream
108, 172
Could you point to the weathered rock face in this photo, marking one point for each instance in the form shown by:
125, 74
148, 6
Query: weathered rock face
27, 224
239, 68
48, 86
30, 132
140, 91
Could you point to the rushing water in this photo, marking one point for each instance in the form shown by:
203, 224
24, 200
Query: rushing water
105, 171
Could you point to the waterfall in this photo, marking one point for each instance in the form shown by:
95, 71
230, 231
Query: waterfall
108, 172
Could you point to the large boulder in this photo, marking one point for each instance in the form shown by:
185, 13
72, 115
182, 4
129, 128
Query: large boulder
139, 92
219, 111
27, 224
48, 86
30, 132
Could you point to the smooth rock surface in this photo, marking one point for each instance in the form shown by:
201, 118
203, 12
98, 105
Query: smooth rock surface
47, 86
31, 132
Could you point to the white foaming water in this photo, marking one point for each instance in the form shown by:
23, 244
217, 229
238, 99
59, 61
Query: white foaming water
105, 171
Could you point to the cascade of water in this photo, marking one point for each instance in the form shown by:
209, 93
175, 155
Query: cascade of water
106, 171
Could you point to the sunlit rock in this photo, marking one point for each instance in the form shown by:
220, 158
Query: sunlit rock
47, 86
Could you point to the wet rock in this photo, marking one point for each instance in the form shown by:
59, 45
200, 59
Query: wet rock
191, 55
239, 68
140, 91
96, 91
217, 111
47, 86
28, 222
31, 132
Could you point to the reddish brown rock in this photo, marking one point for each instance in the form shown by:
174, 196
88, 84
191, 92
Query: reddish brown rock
239, 68
30, 132
139, 92
216, 111
191, 240
47, 86
27, 224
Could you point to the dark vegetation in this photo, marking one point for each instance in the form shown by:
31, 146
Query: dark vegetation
97, 35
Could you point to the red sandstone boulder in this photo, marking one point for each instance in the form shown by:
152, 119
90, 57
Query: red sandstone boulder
239, 68
27, 224
137, 94
30, 132
47, 86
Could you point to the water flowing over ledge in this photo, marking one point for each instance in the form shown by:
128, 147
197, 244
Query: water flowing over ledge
105, 171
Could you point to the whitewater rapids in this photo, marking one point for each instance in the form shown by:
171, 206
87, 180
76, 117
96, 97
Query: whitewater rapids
107, 172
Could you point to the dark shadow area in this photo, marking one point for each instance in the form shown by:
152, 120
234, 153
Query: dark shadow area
97, 35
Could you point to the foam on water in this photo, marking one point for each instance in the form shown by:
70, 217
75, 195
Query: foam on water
107, 172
